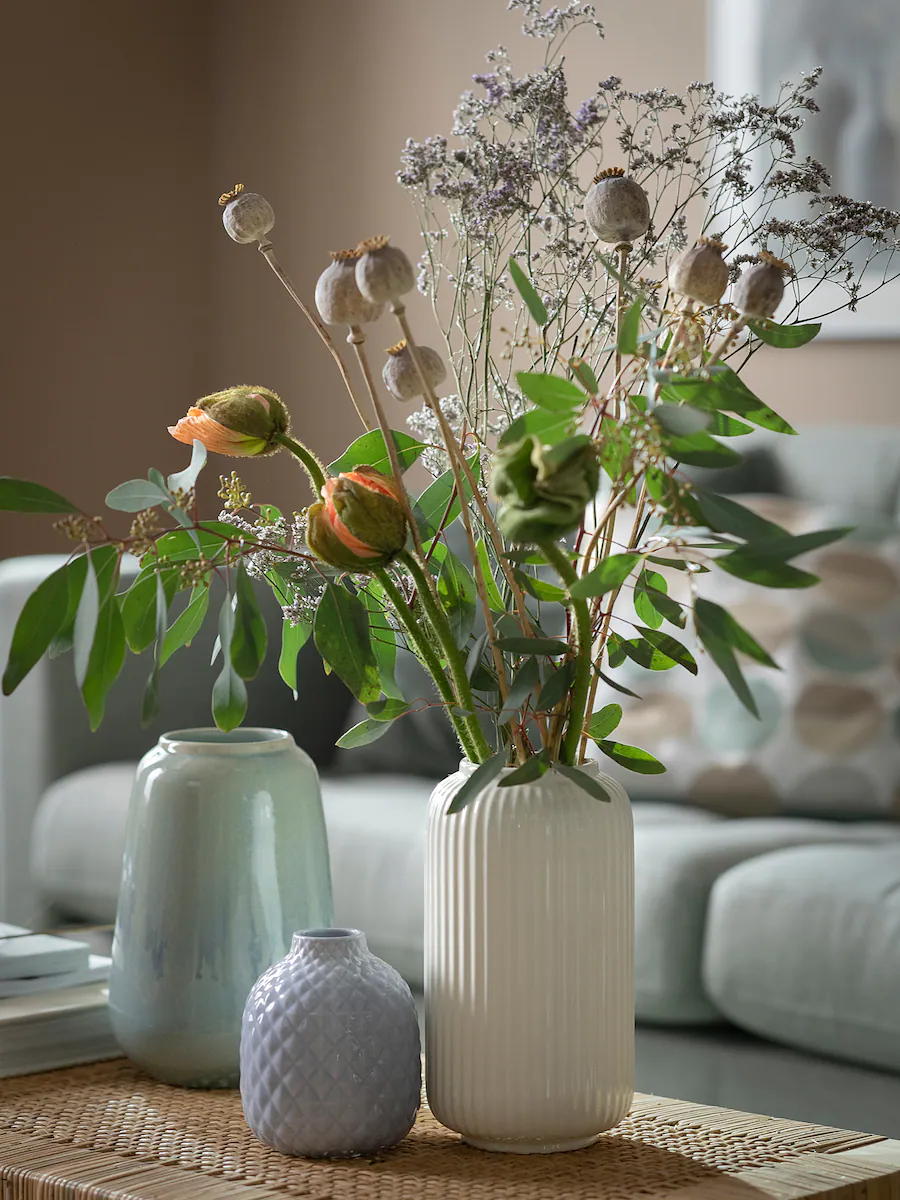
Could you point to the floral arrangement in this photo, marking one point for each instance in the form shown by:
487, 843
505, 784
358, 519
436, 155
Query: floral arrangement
591, 348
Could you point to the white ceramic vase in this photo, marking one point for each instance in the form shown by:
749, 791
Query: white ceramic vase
529, 963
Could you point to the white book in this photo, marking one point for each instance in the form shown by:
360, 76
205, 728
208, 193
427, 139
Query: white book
55, 1029
24, 955
97, 971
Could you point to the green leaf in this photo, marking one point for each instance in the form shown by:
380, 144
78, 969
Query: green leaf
383, 639
643, 605
186, 625
525, 288
721, 624
773, 575
21, 495
670, 647
370, 450
548, 427
551, 647
458, 597
784, 546
652, 600
473, 658
676, 564
136, 495
341, 632
681, 420
632, 758
293, 639
139, 607
783, 337
388, 709
249, 637
184, 480
723, 656
556, 688
362, 734
527, 680
229, 695
532, 768
480, 778
630, 328
725, 515
86, 622
551, 392
548, 593
617, 687
607, 576
150, 698
585, 376
699, 450
582, 779
106, 658
495, 600
721, 425
433, 510
725, 391
640, 651
604, 721
615, 650
178, 545
39, 622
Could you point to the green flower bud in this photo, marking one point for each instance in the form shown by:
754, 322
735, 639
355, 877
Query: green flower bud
240, 421
360, 524
544, 490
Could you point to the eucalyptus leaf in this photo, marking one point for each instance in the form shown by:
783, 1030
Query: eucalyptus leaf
476, 650
433, 510
725, 515
548, 593
367, 731
604, 721
723, 656
229, 695
107, 656
41, 618
551, 647
699, 450
187, 624
250, 636
551, 392
21, 495
530, 771
556, 688
777, 574
632, 758
388, 709
178, 545
725, 391
525, 288
784, 337
526, 681
629, 329
682, 420
86, 622
617, 687
456, 590
585, 375
139, 607
670, 647
549, 427
383, 639
136, 495
607, 576
495, 600
717, 621
639, 650
584, 780
293, 639
185, 480
481, 777
341, 632
370, 450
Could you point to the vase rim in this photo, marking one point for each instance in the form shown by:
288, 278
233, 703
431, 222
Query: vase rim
243, 741
467, 768
333, 940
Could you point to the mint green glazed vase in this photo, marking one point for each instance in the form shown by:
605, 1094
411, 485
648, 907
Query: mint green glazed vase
225, 858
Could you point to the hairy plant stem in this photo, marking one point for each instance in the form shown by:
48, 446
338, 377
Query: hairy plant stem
583, 646
455, 660
431, 661
267, 250
357, 339
308, 461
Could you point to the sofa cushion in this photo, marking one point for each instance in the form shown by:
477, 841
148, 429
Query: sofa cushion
803, 946
675, 871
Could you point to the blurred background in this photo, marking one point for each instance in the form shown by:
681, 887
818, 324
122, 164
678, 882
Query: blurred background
124, 300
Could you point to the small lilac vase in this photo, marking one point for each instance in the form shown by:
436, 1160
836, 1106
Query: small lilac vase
330, 1053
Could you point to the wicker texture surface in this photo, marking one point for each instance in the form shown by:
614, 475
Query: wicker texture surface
108, 1131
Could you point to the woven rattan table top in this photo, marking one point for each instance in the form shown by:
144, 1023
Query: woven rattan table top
107, 1130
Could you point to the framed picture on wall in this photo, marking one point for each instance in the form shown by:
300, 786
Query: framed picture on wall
755, 45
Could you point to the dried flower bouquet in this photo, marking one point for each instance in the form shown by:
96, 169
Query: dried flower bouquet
592, 348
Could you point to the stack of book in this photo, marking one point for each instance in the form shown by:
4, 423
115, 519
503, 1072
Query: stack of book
54, 1003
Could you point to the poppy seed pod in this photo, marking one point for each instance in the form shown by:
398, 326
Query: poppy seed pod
360, 524
700, 273
401, 378
338, 299
383, 272
248, 217
617, 208
760, 288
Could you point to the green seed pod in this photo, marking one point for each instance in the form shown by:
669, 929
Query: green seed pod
383, 272
248, 217
617, 208
760, 288
700, 273
401, 378
338, 299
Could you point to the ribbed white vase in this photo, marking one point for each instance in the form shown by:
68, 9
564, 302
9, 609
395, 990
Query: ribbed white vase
529, 963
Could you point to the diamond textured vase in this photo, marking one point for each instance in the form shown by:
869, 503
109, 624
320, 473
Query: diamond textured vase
529, 962
330, 1052
225, 857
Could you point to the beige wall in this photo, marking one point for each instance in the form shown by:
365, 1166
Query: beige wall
124, 299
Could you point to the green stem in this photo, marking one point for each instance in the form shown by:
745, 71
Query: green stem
583, 642
453, 654
429, 659
308, 461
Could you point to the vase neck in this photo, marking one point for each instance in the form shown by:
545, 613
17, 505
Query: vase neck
335, 944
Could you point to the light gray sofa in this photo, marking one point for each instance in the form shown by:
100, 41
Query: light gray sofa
781, 928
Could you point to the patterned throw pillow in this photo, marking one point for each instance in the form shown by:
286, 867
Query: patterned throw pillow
828, 739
